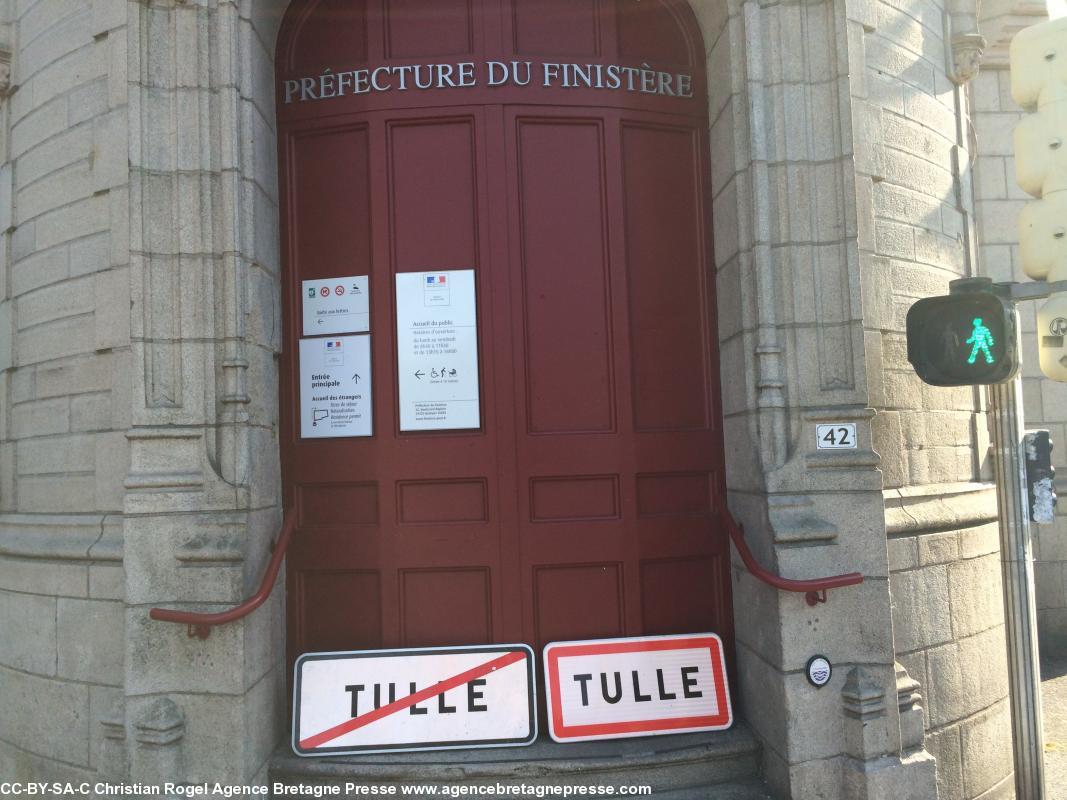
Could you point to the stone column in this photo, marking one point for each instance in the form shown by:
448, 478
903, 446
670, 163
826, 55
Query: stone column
794, 143
203, 495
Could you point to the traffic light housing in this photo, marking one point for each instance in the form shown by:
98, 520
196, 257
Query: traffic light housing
1039, 85
964, 338
1040, 477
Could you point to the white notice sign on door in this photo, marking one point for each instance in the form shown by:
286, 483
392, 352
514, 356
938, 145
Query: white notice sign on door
335, 387
437, 350
336, 305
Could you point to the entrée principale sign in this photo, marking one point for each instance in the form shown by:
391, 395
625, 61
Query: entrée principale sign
376, 701
335, 387
642, 79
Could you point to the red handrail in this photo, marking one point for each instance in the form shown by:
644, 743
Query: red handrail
200, 624
814, 588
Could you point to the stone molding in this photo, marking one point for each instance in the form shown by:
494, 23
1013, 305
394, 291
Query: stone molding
794, 519
1000, 20
862, 696
939, 507
160, 723
204, 550
159, 729
113, 764
879, 765
863, 700
909, 701
62, 537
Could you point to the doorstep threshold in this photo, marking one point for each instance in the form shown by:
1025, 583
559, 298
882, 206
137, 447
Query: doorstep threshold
544, 758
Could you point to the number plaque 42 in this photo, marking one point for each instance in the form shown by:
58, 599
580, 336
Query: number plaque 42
836, 436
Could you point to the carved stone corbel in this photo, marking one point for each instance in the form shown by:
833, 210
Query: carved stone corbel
966, 44
967, 49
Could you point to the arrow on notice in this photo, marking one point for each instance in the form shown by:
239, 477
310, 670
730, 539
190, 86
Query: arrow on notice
356, 377
419, 373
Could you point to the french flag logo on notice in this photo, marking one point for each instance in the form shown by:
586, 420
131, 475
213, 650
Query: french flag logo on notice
435, 280
332, 345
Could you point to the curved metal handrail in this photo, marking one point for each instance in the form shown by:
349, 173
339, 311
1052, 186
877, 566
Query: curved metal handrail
201, 623
814, 588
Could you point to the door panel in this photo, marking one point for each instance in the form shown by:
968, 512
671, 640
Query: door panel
428, 28
560, 590
338, 609
445, 606
661, 176
434, 210
557, 27
565, 289
621, 492
330, 239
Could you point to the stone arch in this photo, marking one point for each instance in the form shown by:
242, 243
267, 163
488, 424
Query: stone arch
204, 447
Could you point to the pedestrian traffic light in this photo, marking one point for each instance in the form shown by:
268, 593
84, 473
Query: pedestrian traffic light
964, 338
1039, 84
1040, 477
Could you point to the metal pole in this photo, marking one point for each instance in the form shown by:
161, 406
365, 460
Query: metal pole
1020, 616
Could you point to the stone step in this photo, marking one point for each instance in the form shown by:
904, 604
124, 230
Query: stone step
693, 764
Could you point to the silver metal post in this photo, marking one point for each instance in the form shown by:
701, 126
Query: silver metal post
1020, 616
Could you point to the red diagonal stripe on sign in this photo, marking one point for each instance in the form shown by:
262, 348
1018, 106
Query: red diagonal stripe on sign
404, 702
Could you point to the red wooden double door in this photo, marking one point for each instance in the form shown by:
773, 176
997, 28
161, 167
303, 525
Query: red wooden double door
586, 504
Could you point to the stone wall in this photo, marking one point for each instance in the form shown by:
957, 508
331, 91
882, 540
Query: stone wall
138, 388
65, 365
948, 620
933, 442
999, 201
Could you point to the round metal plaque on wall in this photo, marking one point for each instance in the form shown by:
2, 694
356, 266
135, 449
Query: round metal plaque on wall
819, 671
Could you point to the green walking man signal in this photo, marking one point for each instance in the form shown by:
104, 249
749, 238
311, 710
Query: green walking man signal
964, 338
982, 339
